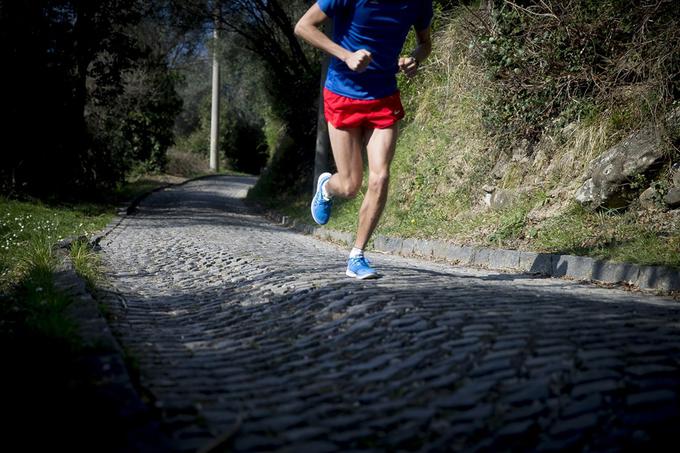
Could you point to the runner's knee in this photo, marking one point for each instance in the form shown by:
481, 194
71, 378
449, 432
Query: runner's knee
347, 187
377, 181
352, 188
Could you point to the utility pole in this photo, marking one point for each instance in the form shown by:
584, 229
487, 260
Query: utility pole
215, 115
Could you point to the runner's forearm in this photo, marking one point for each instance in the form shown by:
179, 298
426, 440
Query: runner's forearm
311, 33
422, 51
423, 45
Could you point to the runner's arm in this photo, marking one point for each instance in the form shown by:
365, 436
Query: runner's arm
307, 28
423, 48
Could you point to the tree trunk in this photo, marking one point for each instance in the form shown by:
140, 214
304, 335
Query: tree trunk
323, 144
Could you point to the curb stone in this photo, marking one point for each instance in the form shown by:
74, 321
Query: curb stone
657, 278
103, 364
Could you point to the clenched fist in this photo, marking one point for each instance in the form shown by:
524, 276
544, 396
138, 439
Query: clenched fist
408, 65
359, 60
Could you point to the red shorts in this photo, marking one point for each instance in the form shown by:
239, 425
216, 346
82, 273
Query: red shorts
347, 113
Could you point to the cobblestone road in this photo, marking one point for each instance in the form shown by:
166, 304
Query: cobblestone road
249, 331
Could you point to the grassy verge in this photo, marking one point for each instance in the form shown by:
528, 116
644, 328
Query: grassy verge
44, 384
447, 153
47, 384
30, 228
639, 237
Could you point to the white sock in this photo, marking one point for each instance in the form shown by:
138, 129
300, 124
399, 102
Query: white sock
324, 192
356, 253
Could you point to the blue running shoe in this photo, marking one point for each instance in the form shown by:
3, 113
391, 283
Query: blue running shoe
360, 268
321, 208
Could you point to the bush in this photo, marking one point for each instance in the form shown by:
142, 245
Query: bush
549, 59
84, 99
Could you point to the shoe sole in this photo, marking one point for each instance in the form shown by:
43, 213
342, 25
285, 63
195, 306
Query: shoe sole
349, 273
318, 187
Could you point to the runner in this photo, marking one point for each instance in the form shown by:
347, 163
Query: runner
361, 100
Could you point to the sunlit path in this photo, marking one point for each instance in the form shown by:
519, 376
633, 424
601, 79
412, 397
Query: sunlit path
242, 327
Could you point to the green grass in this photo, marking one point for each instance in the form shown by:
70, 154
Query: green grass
30, 305
87, 263
621, 237
29, 229
624, 237
446, 154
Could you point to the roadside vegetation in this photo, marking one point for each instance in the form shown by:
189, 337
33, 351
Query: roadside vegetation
516, 100
45, 358
30, 229
519, 99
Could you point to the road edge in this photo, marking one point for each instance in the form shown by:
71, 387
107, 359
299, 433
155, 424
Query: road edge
662, 279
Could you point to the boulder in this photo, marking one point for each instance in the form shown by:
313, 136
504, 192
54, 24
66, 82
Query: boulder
503, 198
672, 198
610, 172
499, 198
648, 198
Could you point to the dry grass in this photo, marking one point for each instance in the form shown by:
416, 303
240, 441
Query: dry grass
186, 165
445, 155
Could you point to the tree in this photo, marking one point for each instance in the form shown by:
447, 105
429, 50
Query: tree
86, 95
264, 31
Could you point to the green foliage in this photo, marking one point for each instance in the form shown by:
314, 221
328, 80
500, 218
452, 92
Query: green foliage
147, 127
84, 94
242, 143
550, 59
28, 231
86, 263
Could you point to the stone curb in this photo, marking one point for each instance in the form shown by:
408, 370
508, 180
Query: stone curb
658, 278
104, 365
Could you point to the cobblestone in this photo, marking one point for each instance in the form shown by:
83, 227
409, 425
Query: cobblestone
231, 318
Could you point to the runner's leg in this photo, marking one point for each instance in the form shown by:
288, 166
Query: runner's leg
346, 145
380, 150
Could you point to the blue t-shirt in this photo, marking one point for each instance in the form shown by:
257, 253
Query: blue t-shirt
379, 26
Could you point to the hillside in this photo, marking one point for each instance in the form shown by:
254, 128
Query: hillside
508, 119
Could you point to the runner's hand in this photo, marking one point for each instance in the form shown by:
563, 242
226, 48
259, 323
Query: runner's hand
359, 60
408, 65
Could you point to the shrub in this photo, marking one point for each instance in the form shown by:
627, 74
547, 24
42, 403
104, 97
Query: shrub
549, 59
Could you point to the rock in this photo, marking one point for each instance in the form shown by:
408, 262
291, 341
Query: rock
488, 194
499, 198
584, 194
609, 172
676, 175
501, 167
672, 198
522, 152
648, 198
487, 199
